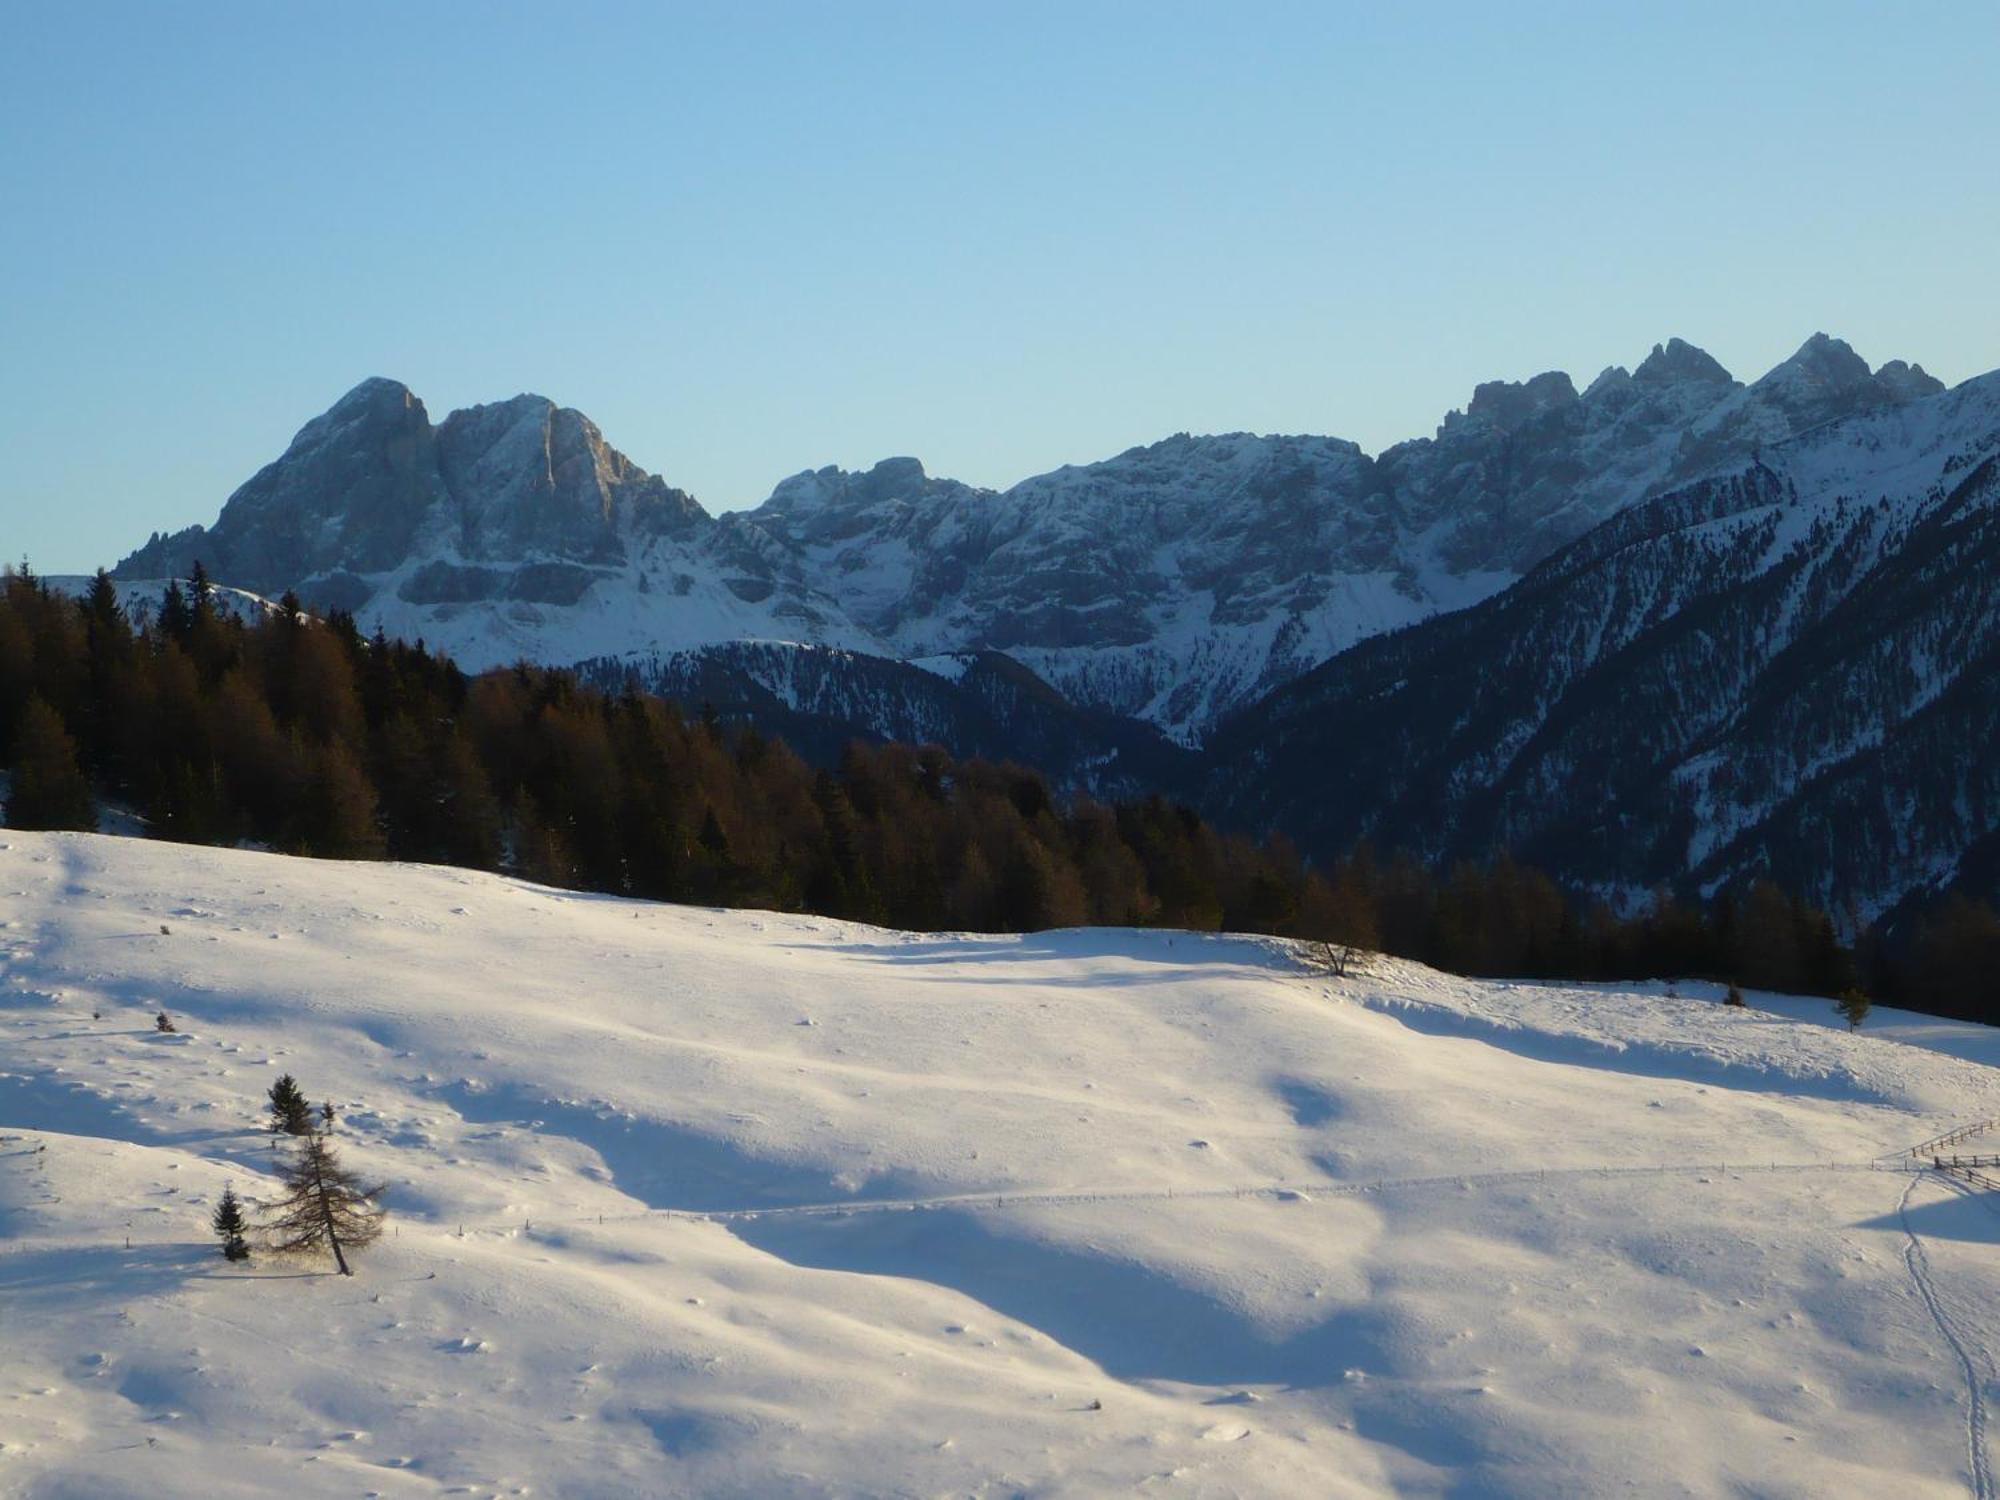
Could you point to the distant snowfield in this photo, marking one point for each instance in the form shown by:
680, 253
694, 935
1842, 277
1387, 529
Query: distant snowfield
734, 1204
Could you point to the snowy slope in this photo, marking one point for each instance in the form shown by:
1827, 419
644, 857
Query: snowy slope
768, 1205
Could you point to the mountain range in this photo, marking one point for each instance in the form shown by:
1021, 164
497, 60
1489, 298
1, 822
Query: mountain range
1174, 583
1670, 626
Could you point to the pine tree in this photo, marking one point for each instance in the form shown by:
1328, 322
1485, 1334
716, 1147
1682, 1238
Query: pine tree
49, 789
100, 601
1734, 997
327, 1118
230, 1225
1853, 1006
163, 1022
290, 1114
325, 1206
175, 618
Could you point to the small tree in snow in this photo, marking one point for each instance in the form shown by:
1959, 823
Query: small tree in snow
290, 1114
1734, 997
230, 1225
325, 1206
1853, 1005
327, 1118
163, 1022
1336, 959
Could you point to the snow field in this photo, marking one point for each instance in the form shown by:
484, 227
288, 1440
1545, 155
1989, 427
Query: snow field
731, 1203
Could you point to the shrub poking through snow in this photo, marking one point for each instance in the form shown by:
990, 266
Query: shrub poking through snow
1853, 1006
325, 1206
327, 1118
1734, 997
1337, 960
290, 1114
163, 1022
230, 1226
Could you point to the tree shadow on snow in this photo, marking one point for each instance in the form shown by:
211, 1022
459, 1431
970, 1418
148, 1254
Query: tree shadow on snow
148, 1270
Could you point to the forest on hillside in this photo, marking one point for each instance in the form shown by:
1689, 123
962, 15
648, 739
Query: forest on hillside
300, 735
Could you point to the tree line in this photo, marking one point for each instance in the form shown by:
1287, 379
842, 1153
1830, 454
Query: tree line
303, 736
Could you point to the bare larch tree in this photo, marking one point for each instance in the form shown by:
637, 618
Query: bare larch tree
325, 1205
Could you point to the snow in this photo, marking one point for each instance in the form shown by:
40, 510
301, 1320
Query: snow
141, 596
693, 1202
950, 668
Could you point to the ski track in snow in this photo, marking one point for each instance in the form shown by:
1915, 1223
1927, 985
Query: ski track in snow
1919, 1263
1304, 1191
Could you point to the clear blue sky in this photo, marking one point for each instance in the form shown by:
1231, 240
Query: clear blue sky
750, 239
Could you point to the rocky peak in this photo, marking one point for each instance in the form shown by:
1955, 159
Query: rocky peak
1824, 363
893, 476
369, 484
1611, 380
1676, 361
1508, 404
1908, 382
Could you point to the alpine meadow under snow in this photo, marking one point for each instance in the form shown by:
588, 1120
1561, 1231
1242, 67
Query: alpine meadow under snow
694, 1202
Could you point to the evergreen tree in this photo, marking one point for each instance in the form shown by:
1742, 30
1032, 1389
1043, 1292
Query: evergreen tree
290, 1114
230, 1225
49, 789
336, 814
325, 1206
100, 601
175, 617
1853, 1006
163, 1022
1734, 997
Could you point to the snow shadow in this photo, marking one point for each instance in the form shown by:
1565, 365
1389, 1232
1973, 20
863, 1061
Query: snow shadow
1309, 1103
39, 1102
1641, 1058
1972, 1216
671, 1166
1132, 1320
1185, 953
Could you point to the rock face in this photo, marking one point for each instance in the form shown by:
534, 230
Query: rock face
351, 493
1175, 583
1785, 666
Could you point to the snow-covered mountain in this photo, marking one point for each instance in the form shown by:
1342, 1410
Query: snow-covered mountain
507, 532
1173, 583
1789, 667
701, 1203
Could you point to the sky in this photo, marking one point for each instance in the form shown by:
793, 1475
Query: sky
750, 239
